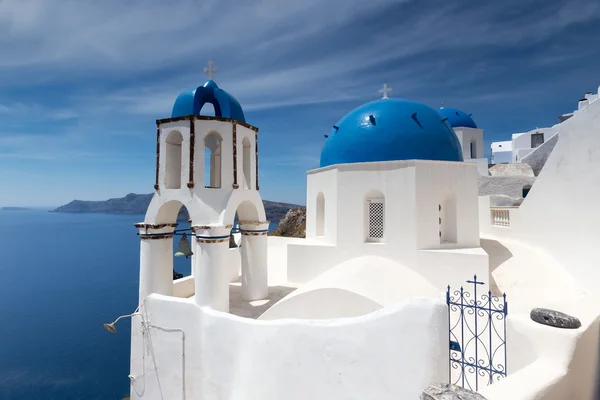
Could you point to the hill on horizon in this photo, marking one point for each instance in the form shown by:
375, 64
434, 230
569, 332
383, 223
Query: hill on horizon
138, 203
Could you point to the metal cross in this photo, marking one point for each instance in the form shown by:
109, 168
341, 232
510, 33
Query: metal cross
385, 91
210, 69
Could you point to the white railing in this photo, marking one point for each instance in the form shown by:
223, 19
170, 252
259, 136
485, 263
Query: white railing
500, 216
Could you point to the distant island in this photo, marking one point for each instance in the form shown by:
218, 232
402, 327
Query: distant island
138, 203
15, 209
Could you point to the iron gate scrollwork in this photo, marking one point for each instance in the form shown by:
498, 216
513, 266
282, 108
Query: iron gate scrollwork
477, 334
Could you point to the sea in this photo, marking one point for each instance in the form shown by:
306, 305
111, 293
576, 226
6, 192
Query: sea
62, 276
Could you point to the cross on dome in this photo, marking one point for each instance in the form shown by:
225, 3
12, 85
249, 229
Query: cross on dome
385, 91
210, 69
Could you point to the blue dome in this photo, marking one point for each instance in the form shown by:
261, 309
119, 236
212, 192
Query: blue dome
388, 130
191, 102
457, 118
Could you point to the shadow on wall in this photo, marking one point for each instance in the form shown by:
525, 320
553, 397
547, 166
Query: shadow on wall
498, 254
254, 309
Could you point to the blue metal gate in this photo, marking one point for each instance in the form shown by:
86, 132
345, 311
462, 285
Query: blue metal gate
477, 333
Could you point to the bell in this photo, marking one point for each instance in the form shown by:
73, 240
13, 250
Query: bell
110, 327
184, 249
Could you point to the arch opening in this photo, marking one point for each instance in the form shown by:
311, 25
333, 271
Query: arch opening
212, 160
375, 216
246, 163
320, 223
525, 190
252, 268
447, 220
183, 261
180, 266
173, 158
208, 109
473, 149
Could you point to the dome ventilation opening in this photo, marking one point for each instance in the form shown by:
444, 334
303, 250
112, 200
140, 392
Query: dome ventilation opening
372, 119
414, 116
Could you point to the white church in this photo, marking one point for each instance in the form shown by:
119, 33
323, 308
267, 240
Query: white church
358, 308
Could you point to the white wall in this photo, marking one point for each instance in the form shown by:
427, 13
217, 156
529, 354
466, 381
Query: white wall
568, 224
227, 357
482, 165
433, 181
413, 191
501, 157
548, 363
352, 288
465, 137
560, 212
453, 267
183, 287
501, 152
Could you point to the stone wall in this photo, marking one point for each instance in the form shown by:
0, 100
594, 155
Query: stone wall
510, 186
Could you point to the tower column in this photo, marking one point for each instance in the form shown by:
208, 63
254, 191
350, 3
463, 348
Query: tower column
211, 266
254, 260
156, 259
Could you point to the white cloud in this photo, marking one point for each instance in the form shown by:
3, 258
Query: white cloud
117, 58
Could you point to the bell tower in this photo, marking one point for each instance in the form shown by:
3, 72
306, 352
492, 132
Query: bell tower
209, 164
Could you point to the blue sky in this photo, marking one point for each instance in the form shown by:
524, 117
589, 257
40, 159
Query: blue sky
82, 82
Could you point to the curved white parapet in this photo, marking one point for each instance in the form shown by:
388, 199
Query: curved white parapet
352, 288
323, 303
200, 353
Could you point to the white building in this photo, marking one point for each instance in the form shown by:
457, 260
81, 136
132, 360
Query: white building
523, 146
357, 309
501, 152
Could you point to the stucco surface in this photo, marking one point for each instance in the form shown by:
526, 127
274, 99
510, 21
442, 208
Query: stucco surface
374, 282
226, 357
561, 211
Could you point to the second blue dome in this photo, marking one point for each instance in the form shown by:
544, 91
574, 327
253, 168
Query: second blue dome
389, 130
457, 118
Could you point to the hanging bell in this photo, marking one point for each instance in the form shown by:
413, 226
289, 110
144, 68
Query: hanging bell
184, 249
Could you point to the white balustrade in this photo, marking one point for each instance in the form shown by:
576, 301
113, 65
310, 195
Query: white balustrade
500, 216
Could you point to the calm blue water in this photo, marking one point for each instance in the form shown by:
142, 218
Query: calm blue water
61, 277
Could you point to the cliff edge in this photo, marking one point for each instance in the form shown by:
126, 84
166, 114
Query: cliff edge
293, 224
